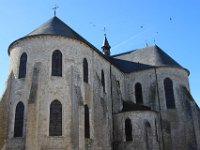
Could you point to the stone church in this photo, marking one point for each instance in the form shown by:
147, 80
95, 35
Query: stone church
62, 93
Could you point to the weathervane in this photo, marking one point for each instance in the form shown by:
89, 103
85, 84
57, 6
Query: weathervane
54, 8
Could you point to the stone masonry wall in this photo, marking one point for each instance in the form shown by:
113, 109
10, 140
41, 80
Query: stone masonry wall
38, 91
4, 109
141, 139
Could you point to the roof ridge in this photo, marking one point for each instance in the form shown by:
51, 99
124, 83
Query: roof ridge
123, 53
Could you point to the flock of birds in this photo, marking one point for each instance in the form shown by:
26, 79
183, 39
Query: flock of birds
141, 27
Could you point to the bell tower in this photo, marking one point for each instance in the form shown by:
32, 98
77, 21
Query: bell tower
106, 47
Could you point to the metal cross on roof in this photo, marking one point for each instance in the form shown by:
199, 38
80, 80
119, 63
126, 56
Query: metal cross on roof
54, 8
104, 30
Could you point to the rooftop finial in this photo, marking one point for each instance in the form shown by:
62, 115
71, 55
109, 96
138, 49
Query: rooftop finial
104, 30
54, 8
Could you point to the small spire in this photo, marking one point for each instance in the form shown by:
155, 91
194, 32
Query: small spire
55, 8
106, 46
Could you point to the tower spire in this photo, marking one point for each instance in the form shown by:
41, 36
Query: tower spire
106, 46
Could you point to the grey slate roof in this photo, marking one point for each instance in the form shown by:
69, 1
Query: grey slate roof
128, 66
135, 60
55, 26
148, 57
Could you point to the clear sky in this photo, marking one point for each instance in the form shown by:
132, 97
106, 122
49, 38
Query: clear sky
171, 24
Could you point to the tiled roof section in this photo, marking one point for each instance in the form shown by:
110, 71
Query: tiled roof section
128, 66
55, 26
151, 56
127, 62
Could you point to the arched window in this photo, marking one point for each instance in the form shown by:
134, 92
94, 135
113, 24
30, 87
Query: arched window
56, 63
103, 80
169, 93
148, 136
128, 130
55, 125
138, 93
19, 120
22, 66
85, 70
87, 122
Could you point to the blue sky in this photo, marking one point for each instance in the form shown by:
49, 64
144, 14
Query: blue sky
171, 24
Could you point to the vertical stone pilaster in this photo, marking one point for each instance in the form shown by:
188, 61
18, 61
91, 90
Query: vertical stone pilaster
31, 138
81, 129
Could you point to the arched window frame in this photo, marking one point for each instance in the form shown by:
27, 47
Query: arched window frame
55, 118
169, 93
19, 120
87, 121
56, 63
85, 70
138, 93
148, 135
128, 130
103, 80
22, 66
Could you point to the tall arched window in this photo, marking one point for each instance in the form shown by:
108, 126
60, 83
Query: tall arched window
56, 63
87, 122
22, 66
128, 130
149, 136
19, 120
138, 93
55, 125
169, 93
103, 80
85, 70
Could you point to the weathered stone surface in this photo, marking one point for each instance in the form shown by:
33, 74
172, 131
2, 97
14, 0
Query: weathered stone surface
4, 111
34, 84
140, 135
155, 128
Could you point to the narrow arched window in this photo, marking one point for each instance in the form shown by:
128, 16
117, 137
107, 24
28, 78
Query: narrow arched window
103, 80
22, 66
169, 93
55, 125
148, 136
56, 63
138, 93
19, 120
128, 130
85, 70
87, 122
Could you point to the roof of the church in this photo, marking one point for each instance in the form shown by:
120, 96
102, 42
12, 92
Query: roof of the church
140, 59
55, 26
128, 66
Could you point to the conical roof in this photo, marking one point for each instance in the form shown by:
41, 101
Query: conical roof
55, 26
105, 44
